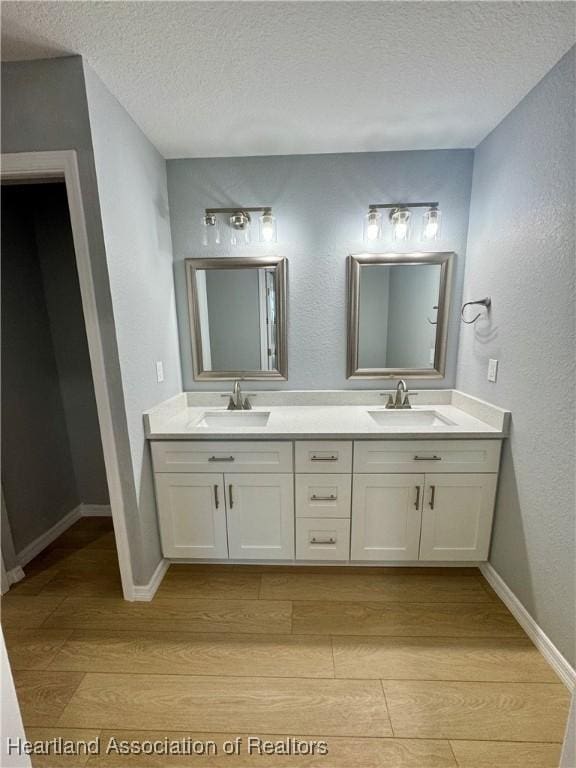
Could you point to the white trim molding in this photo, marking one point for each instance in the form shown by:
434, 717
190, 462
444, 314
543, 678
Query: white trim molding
14, 575
35, 547
559, 664
63, 164
147, 591
95, 510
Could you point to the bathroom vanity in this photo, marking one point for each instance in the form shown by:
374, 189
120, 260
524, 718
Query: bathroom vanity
326, 477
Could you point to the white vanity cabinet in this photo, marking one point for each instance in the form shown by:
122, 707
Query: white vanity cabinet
442, 514
378, 501
386, 517
192, 515
242, 510
260, 510
457, 517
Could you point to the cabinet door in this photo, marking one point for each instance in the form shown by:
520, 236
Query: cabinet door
260, 516
386, 516
192, 515
457, 517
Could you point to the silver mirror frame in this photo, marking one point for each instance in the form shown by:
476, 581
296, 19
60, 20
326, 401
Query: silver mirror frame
280, 265
355, 263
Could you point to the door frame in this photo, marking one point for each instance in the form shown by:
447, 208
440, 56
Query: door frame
63, 165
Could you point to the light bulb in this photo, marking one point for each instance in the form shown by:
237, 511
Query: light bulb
240, 224
400, 218
372, 225
267, 227
432, 219
210, 230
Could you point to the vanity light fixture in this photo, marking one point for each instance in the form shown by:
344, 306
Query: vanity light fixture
210, 230
372, 225
400, 218
432, 220
267, 227
239, 221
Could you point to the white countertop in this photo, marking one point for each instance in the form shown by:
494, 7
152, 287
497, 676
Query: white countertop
328, 415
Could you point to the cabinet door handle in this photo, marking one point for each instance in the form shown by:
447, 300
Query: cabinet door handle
216, 499
324, 458
432, 496
427, 458
330, 540
332, 497
221, 458
230, 496
417, 502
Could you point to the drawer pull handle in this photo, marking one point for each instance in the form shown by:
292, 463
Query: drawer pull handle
230, 496
216, 499
324, 458
432, 496
330, 540
427, 458
417, 502
332, 497
221, 458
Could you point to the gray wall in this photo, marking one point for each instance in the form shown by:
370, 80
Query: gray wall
131, 178
320, 201
521, 252
234, 319
44, 107
57, 262
37, 468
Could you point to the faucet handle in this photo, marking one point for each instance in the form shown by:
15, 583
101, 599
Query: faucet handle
247, 405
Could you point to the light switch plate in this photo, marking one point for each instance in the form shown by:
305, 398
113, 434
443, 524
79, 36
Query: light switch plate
160, 371
492, 370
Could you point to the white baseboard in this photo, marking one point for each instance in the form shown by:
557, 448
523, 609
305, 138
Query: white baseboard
82, 510
148, 591
14, 575
35, 547
95, 510
559, 664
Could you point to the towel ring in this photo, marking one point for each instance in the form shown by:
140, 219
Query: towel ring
487, 303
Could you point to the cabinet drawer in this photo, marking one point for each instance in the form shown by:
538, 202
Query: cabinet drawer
200, 456
324, 456
322, 539
426, 455
323, 495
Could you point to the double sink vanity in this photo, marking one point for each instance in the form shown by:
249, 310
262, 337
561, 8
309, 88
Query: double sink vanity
326, 477
354, 476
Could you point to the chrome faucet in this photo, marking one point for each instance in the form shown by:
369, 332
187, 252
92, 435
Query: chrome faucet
401, 400
237, 402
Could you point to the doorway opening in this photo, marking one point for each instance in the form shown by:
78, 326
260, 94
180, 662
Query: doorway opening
53, 470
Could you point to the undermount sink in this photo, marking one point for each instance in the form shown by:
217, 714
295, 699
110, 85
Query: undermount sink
409, 417
234, 419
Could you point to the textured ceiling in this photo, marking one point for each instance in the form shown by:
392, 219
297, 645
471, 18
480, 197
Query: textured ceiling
255, 78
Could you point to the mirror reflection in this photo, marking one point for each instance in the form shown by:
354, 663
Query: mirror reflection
235, 309
398, 308
397, 314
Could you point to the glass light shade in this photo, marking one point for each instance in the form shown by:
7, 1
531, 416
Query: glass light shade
240, 224
432, 221
267, 223
372, 226
210, 230
401, 223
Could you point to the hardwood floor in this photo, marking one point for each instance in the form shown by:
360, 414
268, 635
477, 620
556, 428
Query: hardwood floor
392, 668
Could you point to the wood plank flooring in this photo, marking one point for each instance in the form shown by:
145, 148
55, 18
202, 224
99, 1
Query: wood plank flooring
392, 668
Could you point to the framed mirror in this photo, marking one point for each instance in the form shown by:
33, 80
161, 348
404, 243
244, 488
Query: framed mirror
237, 309
398, 315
